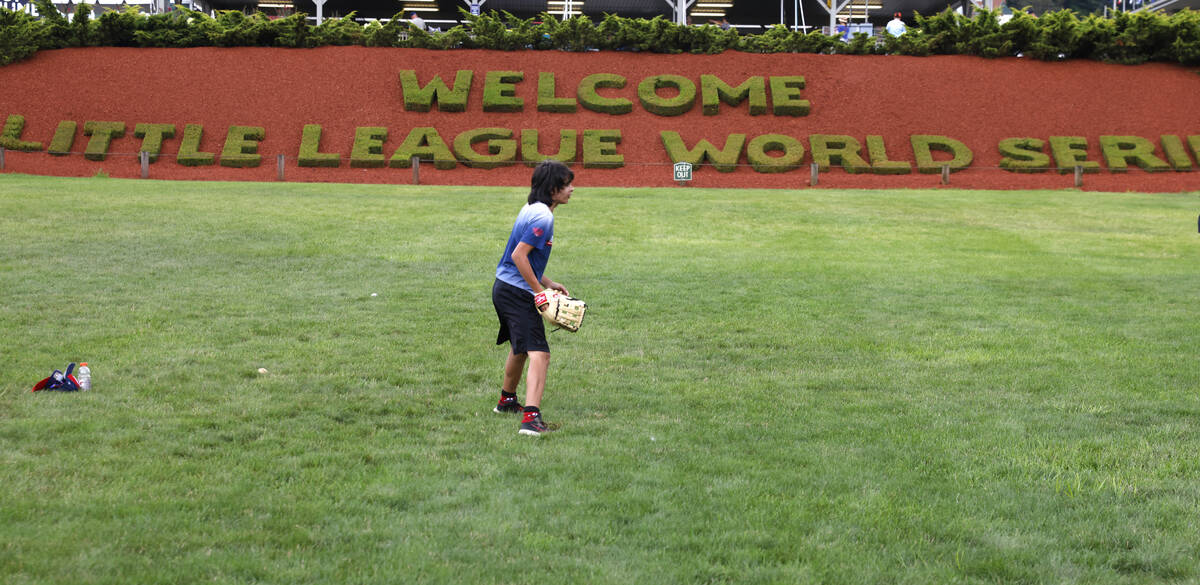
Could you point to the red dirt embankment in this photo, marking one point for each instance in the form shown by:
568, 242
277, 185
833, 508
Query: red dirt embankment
978, 102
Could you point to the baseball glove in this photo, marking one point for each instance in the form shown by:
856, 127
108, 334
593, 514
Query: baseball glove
559, 309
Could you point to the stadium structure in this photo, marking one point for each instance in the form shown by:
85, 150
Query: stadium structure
747, 15
751, 16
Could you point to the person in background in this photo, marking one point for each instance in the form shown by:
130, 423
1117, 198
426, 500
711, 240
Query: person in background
895, 27
417, 21
843, 29
723, 23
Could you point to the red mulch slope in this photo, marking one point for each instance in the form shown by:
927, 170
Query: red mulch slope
976, 101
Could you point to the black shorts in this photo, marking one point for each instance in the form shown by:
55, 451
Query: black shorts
520, 322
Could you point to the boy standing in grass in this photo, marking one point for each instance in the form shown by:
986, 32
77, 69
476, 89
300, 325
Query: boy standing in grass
520, 275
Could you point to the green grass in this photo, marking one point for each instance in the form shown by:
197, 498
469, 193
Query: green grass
771, 387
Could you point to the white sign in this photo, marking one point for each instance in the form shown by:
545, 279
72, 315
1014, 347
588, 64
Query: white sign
683, 171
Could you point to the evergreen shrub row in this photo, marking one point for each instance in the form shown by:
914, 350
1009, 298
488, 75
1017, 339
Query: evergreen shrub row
1127, 37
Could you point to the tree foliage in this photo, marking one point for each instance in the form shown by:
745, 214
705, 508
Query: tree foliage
1134, 37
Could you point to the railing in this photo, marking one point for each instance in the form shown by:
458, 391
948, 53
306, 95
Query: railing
1071, 176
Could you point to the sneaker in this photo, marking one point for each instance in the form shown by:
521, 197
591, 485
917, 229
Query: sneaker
508, 406
533, 425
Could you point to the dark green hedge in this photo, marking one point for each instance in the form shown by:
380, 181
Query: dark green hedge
600, 149
790, 149
924, 145
724, 159
102, 135
310, 149
501, 147
500, 92
532, 154
1127, 37
152, 136
367, 152
678, 105
241, 147
64, 138
190, 154
592, 100
13, 127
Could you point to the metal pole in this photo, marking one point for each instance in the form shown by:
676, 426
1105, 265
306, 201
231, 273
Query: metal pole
416, 165
320, 11
1078, 176
279, 164
145, 159
679, 8
815, 169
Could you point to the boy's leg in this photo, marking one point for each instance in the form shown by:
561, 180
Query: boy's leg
535, 384
535, 379
513, 366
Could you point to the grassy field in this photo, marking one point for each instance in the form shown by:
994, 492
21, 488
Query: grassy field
771, 387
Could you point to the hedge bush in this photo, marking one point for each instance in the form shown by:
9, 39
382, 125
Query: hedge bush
547, 101
1070, 152
64, 138
656, 104
1023, 155
152, 136
10, 138
840, 150
190, 154
724, 159
880, 165
595, 102
21, 35
241, 147
1119, 151
600, 150
792, 153
500, 91
310, 149
502, 149
420, 99
532, 155
924, 145
367, 152
786, 96
426, 144
1176, 152
1127, 37
102, 134
714, 91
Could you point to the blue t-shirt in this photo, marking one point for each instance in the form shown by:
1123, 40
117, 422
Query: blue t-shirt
534, 226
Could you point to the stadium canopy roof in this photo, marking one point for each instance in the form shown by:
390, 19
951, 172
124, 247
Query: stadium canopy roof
748, 15
1173, 5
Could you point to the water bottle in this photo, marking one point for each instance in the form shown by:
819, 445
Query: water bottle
84, 376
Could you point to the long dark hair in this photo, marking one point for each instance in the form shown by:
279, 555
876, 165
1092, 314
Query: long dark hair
548, 177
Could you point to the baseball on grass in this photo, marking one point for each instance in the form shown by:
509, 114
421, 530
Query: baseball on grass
262, 370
